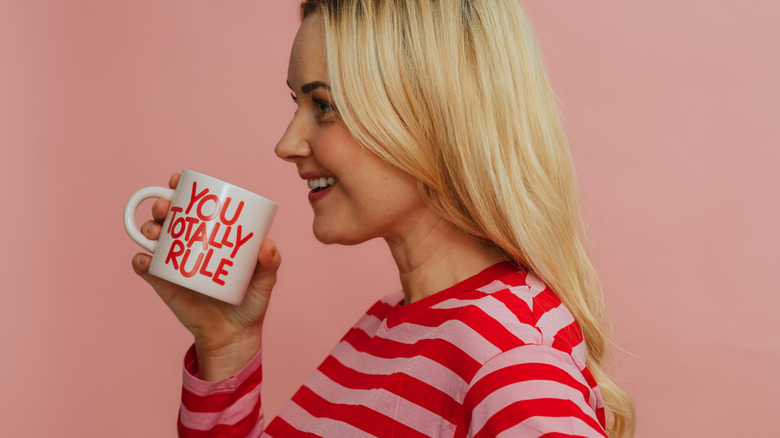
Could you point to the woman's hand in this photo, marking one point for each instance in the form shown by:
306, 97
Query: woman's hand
227, 337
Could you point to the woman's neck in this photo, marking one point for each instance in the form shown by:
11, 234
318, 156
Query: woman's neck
435, 255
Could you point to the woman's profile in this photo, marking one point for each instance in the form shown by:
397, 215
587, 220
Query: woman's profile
429, 124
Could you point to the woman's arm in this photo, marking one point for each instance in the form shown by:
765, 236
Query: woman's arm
229, 407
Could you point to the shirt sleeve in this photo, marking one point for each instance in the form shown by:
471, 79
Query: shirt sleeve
533, 391
229, 407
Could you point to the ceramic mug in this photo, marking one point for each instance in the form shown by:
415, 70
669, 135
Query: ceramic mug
210, 238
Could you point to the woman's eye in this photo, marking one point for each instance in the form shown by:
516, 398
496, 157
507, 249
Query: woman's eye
326, 112
323, 107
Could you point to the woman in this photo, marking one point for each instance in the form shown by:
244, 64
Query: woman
430, 124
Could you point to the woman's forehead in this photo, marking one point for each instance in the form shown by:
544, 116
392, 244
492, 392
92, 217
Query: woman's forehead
307, 57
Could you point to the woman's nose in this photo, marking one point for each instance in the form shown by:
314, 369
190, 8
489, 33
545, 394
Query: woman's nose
294, 144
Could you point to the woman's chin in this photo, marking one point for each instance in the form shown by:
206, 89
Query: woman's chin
331, 236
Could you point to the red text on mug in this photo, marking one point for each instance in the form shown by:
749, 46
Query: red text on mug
206, 221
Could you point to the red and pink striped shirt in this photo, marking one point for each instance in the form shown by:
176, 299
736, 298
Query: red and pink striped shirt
496, 355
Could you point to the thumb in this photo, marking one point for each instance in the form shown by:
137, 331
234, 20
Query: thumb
268, 256
269, 260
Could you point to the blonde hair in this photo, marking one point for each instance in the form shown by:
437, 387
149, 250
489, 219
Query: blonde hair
455, 94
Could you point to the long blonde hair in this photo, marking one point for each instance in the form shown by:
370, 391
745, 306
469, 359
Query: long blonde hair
455, 94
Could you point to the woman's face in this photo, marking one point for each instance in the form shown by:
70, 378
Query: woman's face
355, 195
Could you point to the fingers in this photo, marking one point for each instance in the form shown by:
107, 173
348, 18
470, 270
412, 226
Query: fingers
141, 263
160, 209
174, 181
161, 206
151, 229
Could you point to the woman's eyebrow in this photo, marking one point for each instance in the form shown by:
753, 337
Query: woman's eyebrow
311, 86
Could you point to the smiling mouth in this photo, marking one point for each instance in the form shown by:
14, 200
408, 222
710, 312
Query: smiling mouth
319, 184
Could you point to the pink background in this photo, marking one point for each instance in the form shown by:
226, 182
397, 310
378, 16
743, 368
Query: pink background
670, 106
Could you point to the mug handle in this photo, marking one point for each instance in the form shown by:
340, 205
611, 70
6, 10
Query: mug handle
132, 205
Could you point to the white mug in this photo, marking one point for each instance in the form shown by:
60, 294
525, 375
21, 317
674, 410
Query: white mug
210, 238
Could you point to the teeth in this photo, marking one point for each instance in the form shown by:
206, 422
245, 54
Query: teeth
321, 183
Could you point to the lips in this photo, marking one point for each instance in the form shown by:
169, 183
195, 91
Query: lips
319, 184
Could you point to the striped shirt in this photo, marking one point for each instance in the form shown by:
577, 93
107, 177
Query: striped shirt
496, 355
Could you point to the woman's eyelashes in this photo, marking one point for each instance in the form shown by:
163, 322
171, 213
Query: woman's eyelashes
324, 110
295, 99
322, 106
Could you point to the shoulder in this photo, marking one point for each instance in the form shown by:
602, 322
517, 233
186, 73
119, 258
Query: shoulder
546, 363
533, 389
517, 309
